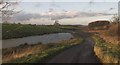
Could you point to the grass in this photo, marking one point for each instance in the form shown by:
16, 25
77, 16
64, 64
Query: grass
45, 55
23, 30
37, 52
107, 52
115, 28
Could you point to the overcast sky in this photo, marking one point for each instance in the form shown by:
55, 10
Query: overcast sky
67, 0
64, 9
38, 7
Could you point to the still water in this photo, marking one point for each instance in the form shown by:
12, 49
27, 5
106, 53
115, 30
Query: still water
48, 38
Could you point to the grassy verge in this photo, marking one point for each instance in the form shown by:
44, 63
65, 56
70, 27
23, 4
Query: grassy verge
44, 55
22, 30
107, 52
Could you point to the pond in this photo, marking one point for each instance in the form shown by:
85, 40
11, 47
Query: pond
48, 38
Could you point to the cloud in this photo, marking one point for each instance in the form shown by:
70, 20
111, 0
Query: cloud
52, 15
25, 16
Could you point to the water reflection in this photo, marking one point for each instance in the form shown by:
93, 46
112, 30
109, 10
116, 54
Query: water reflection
49, 38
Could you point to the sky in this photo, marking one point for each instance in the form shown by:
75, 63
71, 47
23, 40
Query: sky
43, 11
36, 7
67, 0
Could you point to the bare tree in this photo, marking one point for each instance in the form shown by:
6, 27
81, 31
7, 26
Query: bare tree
116, 18
7, 9
5, 4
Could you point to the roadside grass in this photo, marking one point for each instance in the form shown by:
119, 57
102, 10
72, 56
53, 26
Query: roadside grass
114, 28
44, 55
23, 30
107, 52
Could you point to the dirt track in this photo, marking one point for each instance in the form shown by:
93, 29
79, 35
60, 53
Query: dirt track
82, 53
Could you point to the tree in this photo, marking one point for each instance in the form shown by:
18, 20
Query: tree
7, 9
5, 4
116, 18
56, 23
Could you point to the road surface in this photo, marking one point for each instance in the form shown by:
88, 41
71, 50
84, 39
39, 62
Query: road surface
82, 53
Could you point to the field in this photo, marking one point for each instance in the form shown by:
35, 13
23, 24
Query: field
106, 46
39, 52
19, 30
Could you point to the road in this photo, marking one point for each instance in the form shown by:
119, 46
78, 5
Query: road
82, 53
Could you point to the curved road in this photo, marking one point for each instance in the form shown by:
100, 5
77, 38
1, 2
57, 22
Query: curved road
82, 53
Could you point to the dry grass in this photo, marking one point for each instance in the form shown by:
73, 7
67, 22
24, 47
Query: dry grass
110, 35
107, 43
35, 52
20, 51
105, 58
114, 30
108, 53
